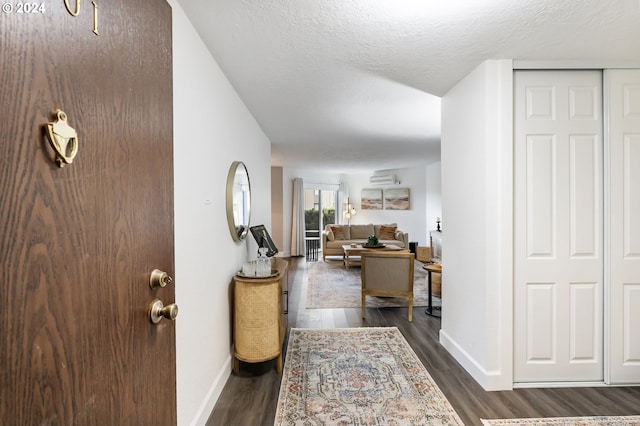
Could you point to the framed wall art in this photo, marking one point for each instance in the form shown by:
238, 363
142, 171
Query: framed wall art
396, 199
371, 199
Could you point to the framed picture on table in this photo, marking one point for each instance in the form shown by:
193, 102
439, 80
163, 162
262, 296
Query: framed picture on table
263, 239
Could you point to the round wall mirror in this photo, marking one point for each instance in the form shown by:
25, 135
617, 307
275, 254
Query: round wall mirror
238, 200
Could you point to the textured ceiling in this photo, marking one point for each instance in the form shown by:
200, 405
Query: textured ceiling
355, 85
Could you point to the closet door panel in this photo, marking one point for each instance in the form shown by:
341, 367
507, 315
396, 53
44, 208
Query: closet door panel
585, 173
623, 87
558, 307
631, 203
541, 177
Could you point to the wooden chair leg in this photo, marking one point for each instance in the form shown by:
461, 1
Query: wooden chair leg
410, 309
364, 305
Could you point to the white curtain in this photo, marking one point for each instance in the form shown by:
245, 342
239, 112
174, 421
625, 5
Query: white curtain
297, 221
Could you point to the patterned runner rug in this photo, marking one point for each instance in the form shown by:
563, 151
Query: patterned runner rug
568, 421
358, 376
332, 286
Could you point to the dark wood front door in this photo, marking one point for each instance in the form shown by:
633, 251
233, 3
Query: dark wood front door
78, 243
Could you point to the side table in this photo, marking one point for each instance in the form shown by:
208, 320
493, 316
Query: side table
430, 268
260, 322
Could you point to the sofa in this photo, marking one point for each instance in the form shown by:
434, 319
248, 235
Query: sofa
335, 236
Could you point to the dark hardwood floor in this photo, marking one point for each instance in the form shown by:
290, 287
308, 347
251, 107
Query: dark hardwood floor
250, 397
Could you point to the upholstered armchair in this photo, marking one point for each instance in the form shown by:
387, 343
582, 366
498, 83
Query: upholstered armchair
387, 273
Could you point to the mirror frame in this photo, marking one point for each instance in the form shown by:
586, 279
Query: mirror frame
237, 166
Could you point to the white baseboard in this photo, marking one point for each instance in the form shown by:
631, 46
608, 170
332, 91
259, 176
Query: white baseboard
206, 408
559, 385
489, 380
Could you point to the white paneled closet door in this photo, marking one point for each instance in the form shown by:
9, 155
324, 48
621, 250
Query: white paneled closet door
558, 219
623, 89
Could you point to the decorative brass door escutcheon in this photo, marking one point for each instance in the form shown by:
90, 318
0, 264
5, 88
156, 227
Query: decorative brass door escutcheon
63, 139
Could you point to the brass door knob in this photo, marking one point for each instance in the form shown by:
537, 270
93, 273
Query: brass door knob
157, 311
159, 278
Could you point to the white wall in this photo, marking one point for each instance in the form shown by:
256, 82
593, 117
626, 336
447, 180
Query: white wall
212, 128
434, 196
477, 217
277, 209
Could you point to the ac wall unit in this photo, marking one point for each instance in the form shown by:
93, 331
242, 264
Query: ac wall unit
383, 180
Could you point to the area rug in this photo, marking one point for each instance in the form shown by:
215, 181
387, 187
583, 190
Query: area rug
330, 285
358, 376
568, 421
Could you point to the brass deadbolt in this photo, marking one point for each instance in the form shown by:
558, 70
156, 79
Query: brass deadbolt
157, 311
159, 278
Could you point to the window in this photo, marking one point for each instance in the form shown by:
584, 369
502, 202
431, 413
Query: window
319, 210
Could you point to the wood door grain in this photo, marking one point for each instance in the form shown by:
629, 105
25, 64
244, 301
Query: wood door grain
78, 243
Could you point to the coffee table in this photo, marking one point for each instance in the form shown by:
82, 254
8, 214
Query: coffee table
351, 251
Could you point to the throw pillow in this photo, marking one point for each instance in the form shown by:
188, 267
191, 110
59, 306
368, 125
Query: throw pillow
377, 227
338, 233
330, 236
387, 232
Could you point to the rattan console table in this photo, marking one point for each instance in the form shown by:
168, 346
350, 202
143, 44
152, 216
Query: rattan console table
260, 321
